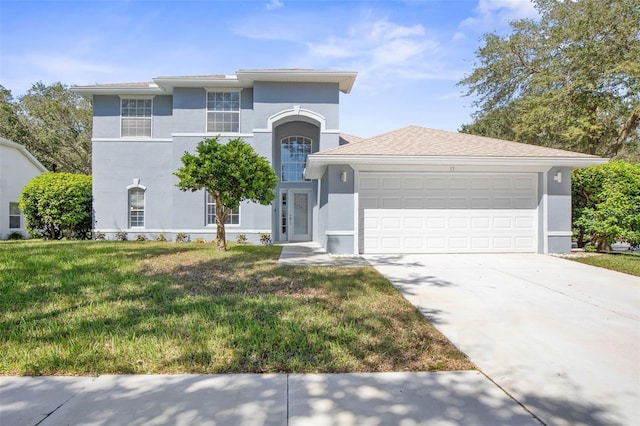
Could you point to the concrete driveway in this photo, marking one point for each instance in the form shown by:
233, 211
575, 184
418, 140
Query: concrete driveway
560, 337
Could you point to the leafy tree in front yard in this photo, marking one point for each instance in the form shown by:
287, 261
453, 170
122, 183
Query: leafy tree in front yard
231, 173
57, 205
606, 204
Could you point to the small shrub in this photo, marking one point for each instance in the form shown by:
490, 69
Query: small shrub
122, 236
241, 239
590, 248
200, 241
265, 239
161, 238
182, 237
214, 241
141, 237
100, 236
15, 235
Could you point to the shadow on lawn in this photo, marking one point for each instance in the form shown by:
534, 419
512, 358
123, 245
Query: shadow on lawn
150, 308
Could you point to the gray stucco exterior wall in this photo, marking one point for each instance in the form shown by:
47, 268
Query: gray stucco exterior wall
559, 210
339, 207
178, 125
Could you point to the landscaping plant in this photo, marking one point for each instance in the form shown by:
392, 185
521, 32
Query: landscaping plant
57, 205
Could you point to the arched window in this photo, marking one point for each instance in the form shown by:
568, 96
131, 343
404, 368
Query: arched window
136, 207
294, 152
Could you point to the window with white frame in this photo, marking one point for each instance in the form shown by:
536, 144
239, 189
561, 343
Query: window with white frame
15, 216
136, 117
294, 152
233, 218
223, 112
136, 208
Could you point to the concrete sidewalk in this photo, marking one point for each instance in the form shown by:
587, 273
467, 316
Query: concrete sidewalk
445, 398
312, 254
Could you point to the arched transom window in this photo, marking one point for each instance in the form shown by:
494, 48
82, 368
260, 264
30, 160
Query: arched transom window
294, 152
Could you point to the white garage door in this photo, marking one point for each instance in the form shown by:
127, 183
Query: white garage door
447, 212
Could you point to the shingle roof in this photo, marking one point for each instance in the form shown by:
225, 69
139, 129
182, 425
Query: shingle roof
420, 141
346, 138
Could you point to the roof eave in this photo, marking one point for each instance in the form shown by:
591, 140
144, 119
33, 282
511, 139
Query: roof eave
344, 79
168, 83
90, 91
316, 164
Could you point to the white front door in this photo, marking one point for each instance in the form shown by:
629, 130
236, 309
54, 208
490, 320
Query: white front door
295, 220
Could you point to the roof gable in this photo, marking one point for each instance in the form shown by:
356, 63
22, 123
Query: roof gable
10, 144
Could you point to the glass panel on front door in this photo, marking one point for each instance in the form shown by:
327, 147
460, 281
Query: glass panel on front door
283, 216
300, 214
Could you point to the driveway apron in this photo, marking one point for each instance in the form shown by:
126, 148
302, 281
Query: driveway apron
560, 337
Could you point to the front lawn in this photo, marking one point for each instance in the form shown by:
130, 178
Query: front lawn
147, 307
629, 263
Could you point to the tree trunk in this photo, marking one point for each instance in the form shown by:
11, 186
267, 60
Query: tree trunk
221, 217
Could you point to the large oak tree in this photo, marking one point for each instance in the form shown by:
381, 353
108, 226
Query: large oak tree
53, 123
570, 79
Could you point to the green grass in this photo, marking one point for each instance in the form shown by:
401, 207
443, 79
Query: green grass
629, 263
145, 307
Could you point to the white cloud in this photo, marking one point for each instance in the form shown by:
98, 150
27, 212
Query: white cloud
52, 67
495, 14
381, 50
274, 4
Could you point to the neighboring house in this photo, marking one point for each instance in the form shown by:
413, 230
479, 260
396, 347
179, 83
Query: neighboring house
413, 190
17, 168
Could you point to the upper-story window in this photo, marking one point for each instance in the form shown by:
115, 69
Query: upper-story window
223, 112
294, 152
136, 117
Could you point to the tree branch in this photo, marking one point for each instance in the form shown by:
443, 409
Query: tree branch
628, 128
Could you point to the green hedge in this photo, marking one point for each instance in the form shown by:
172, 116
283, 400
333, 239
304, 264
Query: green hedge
57, 205
606, 204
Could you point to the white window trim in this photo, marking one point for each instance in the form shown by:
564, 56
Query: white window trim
21, 225
305, 162
141, 97
144, 205
206, 214
206, 111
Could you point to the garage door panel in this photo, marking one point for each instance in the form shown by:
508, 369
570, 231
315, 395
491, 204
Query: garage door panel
414, 223
480, 183
392, 183
391, 203
481, 223
413, 183
368, 183
480, 243
413, 203
422, 213
368, 202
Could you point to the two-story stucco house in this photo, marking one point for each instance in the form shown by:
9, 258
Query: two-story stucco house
412, 190
17, 168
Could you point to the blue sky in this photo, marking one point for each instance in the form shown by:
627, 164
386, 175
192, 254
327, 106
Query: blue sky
409, 54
